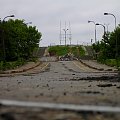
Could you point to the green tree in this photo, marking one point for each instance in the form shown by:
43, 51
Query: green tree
20, 40
114, 41
109, 45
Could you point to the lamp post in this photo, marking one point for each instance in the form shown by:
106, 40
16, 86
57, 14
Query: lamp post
4, 53
65, 30
91, 41
107, 27
8, 16
104, 32
111, 15
102, 26
116, 46
95, 28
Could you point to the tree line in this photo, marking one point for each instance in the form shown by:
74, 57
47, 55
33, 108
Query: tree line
109, 46
17, 40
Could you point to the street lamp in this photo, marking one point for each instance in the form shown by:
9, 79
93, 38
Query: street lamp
107, 27
8, 16
65, 30
95, 28
113, 16
4, 53
116, 46
103, 27
104, 30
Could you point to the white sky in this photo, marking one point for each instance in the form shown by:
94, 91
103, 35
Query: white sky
47, 14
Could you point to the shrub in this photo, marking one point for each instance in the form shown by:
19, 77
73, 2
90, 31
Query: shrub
11, 65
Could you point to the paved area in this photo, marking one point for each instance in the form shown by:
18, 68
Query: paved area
48, 59
61, 82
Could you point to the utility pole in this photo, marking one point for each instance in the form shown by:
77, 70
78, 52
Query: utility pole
60, 33
64, 36
65, 30
70, 36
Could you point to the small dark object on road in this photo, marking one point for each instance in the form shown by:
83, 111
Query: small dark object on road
89, 86
37, 86
118, 87
41, 94
19, 82
64, 93
66, 57
105, 85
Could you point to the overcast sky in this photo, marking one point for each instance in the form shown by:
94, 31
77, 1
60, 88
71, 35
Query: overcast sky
47, 14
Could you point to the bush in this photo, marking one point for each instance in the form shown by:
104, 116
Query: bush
11, 65
111, 62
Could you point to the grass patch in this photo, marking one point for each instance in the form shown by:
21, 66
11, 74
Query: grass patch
63, 50
112, 62
11, 65
58, 50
